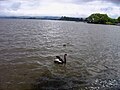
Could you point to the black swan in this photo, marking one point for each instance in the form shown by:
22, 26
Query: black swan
59, 60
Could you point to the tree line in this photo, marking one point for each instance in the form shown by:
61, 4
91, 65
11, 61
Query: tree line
70, 18
95, 18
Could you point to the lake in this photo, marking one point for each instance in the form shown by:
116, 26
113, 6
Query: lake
28, 48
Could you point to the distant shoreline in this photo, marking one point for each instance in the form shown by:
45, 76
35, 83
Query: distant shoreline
44, 18
63, 18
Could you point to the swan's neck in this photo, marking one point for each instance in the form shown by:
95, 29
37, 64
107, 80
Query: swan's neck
65, 59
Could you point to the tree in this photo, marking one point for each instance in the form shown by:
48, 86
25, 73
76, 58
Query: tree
98, 18
93, 18
71, 18
118, 19
101, 19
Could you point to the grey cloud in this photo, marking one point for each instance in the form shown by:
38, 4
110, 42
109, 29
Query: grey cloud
4, 0
15, 6
107, 9
9, 5
114, 1
70, 1
117, 2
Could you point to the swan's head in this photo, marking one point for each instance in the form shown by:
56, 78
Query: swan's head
65, 54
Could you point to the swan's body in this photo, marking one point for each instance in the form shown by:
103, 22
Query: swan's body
59, 60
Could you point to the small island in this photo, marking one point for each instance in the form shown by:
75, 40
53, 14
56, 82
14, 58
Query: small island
98, 18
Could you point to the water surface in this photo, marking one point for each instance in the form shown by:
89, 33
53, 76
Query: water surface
28, 48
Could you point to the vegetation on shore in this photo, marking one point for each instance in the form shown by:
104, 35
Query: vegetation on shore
71, 18
95, 18
118, 19
98, 18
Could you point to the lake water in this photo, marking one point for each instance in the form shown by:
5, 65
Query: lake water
28, 49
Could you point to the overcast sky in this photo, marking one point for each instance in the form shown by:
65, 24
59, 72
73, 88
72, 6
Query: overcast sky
75, 8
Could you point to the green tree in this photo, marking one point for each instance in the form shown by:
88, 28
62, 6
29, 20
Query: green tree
93, 18
101, 19
118, 19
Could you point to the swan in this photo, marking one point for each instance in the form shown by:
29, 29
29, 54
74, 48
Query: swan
59, 60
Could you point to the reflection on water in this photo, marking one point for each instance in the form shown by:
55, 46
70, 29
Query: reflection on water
28, 48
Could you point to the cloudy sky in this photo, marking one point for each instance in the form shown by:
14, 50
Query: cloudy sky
76, 8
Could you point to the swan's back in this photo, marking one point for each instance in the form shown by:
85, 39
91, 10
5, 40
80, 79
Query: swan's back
59, 58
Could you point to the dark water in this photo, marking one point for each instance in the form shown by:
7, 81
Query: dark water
28, 48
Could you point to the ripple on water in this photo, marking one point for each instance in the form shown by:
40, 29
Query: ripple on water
58, 83
28, 47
